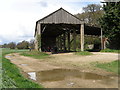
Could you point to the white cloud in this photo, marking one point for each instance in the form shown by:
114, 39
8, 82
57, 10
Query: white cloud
18, 17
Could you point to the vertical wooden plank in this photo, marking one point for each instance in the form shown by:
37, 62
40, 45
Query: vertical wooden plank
58, 43
82, 36
104, 44
39, 28
101, 39
61, 42
74, 37
64, 41
56, 39
36, 48
36, 37
69, 40
39, 32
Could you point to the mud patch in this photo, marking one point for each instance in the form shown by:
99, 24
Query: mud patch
23, 64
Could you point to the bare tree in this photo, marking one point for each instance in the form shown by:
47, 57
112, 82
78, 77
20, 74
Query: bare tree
91, 14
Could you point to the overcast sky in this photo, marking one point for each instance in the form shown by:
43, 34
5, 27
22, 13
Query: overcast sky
18, 17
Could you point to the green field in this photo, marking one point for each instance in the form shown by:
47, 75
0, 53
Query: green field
110, 67
35, 54
113, 66
11, 75
110, 50
83, 53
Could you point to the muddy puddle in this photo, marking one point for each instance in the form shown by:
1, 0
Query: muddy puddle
73, 78
62, 74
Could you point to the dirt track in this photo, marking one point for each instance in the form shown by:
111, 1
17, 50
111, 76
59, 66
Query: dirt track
67, 61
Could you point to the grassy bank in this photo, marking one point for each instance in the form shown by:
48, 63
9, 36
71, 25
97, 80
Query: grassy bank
11, 74
110, 50
111, 67
0, 67
83, 53
35, 54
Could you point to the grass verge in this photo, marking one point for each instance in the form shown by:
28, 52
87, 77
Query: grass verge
111, 67
12, 77
110, 50
0, 67
35, 54
83, 53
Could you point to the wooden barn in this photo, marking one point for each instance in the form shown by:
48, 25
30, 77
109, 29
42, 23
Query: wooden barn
55, 30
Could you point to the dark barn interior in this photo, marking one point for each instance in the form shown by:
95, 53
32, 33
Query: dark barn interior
50, 33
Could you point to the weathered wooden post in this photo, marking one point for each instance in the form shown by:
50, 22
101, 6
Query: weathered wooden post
61, 42
38, 37
68, 40
101, 39
58, 43
64, 41
82, 36
74, 37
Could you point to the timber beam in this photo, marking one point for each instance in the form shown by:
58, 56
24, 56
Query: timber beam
82, 36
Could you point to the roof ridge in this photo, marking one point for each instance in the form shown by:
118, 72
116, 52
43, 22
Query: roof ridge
57, 11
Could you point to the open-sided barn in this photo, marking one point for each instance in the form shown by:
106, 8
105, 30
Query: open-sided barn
55, 30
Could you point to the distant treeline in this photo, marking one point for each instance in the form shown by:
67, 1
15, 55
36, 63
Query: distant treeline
21, 45
89, 40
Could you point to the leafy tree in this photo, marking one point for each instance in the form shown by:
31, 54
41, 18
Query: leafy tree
110, 23
92, 8
91, 14
23, 45
11, 45
0, 46
4, 45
